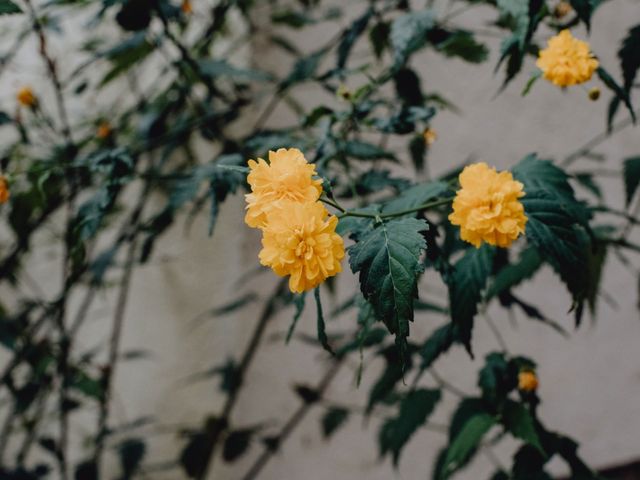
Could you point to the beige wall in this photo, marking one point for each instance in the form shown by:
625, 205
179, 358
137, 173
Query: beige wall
590, 382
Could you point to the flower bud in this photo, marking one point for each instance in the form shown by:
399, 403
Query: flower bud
430, 136
26, 97
104, 130
4, 189
186, 7
594, 94
527, 381
562, 9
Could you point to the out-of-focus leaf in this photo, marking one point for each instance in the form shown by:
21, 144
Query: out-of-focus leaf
515, 273
415, 196
7, 7
222, 68
464, 444
131, 452
584, 9
620, 92
379, 37
463, 45
350, 36
409, 34
332, 420
236, 444
629, 55
519, 422
631, 173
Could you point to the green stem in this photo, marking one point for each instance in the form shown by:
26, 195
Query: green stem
384, 216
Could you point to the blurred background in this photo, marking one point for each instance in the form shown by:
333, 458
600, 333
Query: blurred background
174, 336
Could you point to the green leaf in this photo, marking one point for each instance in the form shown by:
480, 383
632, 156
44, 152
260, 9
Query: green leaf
438, 343
513, 274
557, 223
585, 9
620, 92
415, 408
497, 378
415, 196
409, 34
519, 422
7, 7
379, 37
629, 55
350, 36
390, 376
304, 69
463, 44
466, 283
534, 77
236, 444
322, 334
131, 453
418, 151
388, 259
332, 420
365, 151
464, 444
299, 301
291, 18
125, 55
631, 174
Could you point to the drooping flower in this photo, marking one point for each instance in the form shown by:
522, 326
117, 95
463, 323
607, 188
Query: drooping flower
4, 189
487, 207
26, 97
287, 176
566, 60
299, 240
527, 381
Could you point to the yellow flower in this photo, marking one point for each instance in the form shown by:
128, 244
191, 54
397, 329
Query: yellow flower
527, 381
4, 189
300, 240
487, 207
566, 60
287, 176
104, 130
26, 97
186, 7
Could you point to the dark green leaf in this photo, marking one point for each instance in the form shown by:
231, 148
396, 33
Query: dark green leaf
365, 151
222, 68
513, 274
418, 151
438, 343
519, 421
620, 92
464, 444
415, 196
7, 7
304, 69
629, 55
409, 33
236, 444
322, 334
388, 259
332, 420
299, 301
631, 173
584, 9
462, 44
466, 283
497, 378
350, 36
415, 408
379, 37
534, 77
390, 376
131, 453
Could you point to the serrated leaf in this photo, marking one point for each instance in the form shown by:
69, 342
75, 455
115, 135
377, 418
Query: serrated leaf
7, 7
465, 443
409, 33
415, 408
519, 422
515, 273
631, 174
629, 55
388, 259
466, 283
332, 420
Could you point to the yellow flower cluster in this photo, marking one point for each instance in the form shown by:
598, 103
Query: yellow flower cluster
26, 97
527, 381
299, 236
4, 189
566, 60
487, 207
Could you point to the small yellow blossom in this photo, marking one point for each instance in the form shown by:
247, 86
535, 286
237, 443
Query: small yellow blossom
562, 9
186, 7
594, 94
4, 189
430, 136
104, 130
566, 60
26, 97
487, 207
287, 176
300, 240
527, 381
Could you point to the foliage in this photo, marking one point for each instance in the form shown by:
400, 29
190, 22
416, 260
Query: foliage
105, 186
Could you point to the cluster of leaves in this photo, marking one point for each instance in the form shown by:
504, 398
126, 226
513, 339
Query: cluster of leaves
103, 185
